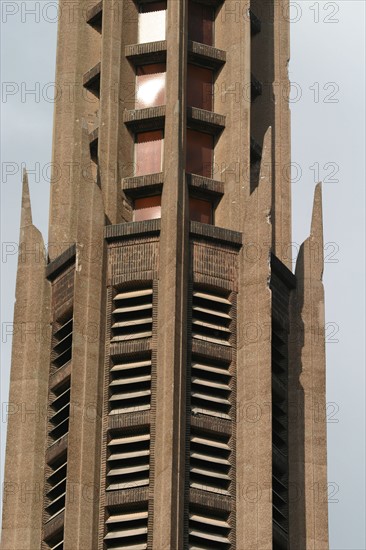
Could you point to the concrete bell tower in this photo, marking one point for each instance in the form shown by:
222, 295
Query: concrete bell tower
178, 360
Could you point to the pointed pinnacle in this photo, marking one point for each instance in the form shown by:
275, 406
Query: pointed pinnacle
316, 232
26, 215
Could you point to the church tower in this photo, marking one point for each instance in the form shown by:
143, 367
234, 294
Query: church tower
173, 363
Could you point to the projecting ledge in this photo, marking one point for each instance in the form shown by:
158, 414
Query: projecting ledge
91, 79
209, 121
218, 234
132, 229
142, 185
151, 118
61, 263
150, 52
205, 55
207, 185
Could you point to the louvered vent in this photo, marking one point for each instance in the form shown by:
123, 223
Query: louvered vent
280, 494
130, 386
127, 530
211, 317
280, 436
279, 418
56, 486
210, 388
210, 467
208, 530
132, 315
60, 411
56, 542
279, 356
62, 342
128, 460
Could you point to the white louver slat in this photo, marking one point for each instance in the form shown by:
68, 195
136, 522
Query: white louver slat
56, 542
128, 461
211, 297
211, 389
62, 342
208, 530
132, 315
211, 317
210, 467
60, 411
127, 531
130, 387
56, 487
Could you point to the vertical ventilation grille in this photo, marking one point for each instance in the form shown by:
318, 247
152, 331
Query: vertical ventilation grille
280, 494
279, 355
208, 530
127, 529
130, 386
62, 342
56, 542
280, 436
210, 466
210, 388
60, 411
132, 315
211, 317
56, 486
128, 460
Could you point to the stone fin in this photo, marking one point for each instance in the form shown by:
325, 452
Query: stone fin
316, 233
26, 214
310, 260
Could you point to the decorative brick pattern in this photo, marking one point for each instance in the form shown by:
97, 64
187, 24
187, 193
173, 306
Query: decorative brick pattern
136, 256
216, 262
62, 292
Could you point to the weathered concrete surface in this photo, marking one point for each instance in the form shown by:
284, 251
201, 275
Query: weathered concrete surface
84, 440
27, 408
307, 422
253, 446
172, 299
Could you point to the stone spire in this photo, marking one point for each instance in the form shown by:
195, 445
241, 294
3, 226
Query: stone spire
316, 233
26, 215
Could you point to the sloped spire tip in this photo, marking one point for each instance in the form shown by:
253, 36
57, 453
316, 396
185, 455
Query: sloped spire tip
26, 215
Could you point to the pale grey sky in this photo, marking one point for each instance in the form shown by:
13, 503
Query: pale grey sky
327, 69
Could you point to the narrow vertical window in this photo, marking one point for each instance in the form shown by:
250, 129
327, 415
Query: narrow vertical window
152, 22
147, 208
148, 152
200, 87
150, 85
201, 23
199, 153
200, 210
